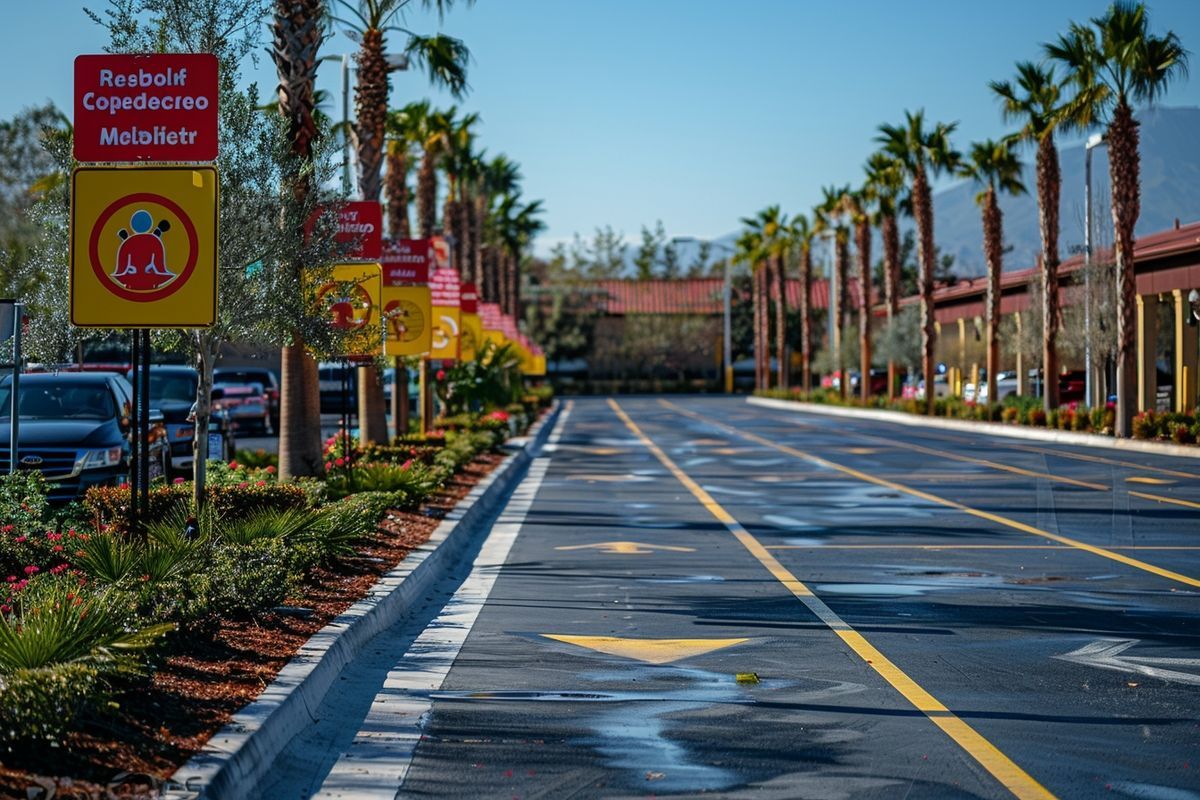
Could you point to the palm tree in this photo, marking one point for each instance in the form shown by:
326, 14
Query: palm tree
922, 152
996, 168
886, 176
517, 224
770, 225
1035, 102
860, 214
298, 34
749, 250
404, 127
829, 216
433, 134
800, 234
457, 158
501, 178
1112, 63
444, 57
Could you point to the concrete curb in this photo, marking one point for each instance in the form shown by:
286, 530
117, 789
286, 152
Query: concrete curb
237, 756
986, 428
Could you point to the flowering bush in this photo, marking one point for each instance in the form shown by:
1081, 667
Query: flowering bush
109, 505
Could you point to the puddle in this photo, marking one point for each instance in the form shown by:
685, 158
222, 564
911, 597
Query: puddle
655, 522
697, 462
790, 523
801, 541
874, 589
757, 462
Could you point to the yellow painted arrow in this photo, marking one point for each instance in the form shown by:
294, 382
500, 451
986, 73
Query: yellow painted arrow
625, 548
652, 651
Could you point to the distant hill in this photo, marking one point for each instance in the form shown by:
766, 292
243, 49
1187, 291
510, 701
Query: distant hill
1170, 178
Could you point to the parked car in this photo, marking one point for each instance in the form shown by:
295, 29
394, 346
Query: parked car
75, 428
330, 376
245, 404
941, 388
248, 375
173, 391
1006, 386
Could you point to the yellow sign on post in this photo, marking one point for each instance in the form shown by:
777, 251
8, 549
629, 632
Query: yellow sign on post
447, 325
407, 320
351, 300
144, 247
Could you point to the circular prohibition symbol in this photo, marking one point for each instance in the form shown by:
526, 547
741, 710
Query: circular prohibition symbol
145, 268
350, 304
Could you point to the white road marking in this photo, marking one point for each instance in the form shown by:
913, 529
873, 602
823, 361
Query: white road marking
378, 760
1106, 654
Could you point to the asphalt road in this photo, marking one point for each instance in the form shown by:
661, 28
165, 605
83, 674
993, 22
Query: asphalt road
694, 596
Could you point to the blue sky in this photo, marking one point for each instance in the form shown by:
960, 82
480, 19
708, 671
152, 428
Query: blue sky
695, 112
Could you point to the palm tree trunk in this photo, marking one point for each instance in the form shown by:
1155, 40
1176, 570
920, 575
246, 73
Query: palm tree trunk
840, 257
298, 34
478, 216
1123, 167
510, 270
396, 190
427, 193
891, 283
862, 236
1049, 183
805, 317
781, 367
370, 111
756, 299
923, 212
993, 252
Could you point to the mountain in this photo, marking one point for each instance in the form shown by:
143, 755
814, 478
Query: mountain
1170, 177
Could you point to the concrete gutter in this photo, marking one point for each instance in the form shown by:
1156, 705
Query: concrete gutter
235, 759
984, 428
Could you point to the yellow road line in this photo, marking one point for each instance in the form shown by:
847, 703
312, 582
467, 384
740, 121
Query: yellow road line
959, 547
1164, 499
1102, 460
1001, 767
933, 498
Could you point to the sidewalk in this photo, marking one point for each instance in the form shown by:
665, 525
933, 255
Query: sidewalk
985, 428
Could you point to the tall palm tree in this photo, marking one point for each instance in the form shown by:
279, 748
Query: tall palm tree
297, 31
1114, 62
996, 168
444, 57
1035, 101
887, 178
800, 234
830, 216
922, 152
771, 224
860, 203
501, 178
749, 250
404, 128
517, 225
434, 135
457, 158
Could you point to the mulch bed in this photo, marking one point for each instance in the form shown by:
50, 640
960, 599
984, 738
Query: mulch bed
202, 683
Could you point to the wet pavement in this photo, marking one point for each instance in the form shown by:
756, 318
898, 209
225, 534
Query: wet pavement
708, 597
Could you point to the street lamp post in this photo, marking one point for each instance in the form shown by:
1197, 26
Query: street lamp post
726, 293
1094, 141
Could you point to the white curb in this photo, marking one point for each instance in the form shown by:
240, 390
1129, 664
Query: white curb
236, 757
986, 428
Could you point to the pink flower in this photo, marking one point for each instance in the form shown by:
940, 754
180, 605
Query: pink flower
406, 464
59, 569
178, 480
233, 465
21, 539
5, 609
243, 485
6, 529
12, 578
341, 462
261, 483
32, 570
58, 548
271, 470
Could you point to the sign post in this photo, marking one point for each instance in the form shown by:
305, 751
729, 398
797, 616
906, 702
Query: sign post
407, 313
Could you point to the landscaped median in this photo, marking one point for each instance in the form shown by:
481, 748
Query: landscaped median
1019, 417
123, 653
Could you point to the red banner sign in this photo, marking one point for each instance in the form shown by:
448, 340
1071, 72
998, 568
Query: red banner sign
405, 262
154, 107
445, 289
470, 299
360, 225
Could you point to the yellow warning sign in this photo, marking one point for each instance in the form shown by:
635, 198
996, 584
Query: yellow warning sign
407, 320
144, 247
351, 302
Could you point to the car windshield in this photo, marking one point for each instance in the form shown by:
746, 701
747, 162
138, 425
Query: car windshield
60, 401
241, 377
172, 388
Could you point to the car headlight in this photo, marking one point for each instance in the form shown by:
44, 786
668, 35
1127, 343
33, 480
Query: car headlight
97, 459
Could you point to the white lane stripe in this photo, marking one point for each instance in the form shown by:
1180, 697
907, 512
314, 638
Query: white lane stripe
378, 760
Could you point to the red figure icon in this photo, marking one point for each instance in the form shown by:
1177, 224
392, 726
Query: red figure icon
142, 257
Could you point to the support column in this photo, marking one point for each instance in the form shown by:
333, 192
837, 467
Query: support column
1187, 354
1022, 375
962, 356
1147, 347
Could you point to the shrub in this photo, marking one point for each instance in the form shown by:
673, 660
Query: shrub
1010, 414
413, 481
110, 505
40, 705
1064, 418
1145, 425
258, 459
268, 524
1038, 417
242, 580
23, 500
1182, 434
1081, 420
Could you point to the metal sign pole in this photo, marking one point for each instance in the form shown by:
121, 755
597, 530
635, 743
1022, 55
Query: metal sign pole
14, 425
144, 450
135, 415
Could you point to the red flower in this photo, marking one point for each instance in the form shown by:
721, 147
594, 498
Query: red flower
406, 464
5, 609
233, 465
341, 462
440, 375
261, 483
21, 539
6, 529
271, 470
123, 486
179, 480
32, 570
12, 578
243, 485
58, 548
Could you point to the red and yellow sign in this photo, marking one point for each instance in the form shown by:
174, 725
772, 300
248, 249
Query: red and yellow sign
144, 247
351, 301
407, 320
471, 335
446, 295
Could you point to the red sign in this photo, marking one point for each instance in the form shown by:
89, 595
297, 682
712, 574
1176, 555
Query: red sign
154, 107
489, 316
360, 225
405, 262
445, 289
470, 299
